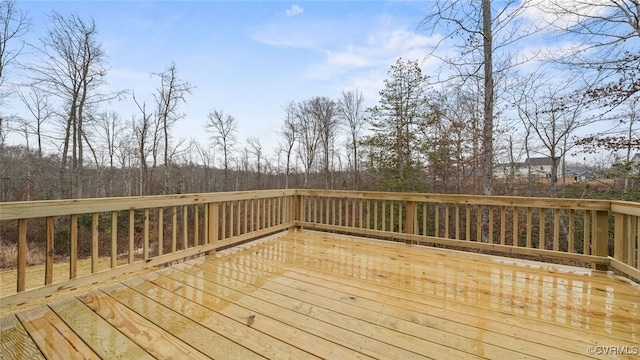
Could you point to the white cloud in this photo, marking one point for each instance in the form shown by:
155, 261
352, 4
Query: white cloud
379, 50
346, 59
294, 10
345, 55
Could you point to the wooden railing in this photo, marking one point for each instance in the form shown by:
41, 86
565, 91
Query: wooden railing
96, 239
114, 236
576, 231
626, 238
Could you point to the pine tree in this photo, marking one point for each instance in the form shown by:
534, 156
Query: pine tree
395, 149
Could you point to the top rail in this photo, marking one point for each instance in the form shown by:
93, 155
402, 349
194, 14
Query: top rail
625, 207
583, 204
43, 208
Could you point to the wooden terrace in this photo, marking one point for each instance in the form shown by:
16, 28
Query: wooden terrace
302, 274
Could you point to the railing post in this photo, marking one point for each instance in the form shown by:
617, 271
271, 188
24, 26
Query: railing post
48, 270
212, 222
22, 254
619, 248
300, 209
291, 209
95, 218
409, 223
73, 246
114, 239
285, 210
600, 238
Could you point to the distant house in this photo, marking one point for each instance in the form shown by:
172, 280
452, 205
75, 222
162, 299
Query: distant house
579, 174
506, 170
540, 167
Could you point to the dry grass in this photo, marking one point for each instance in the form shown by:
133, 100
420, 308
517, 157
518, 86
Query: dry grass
9, 256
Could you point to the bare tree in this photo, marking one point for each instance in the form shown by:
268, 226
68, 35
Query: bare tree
551, 117
289, 133
599, 27
632, 135
309, 138
242, 165
323, 113
604, 37
207, 157
4, 130
454, 142
624, 137
37, 104
223, 128
14, 24
255, 147
142, 129
109, 130
72, 69
527, 87
128, 160
489, 99
483, 39
168, 96
351, 112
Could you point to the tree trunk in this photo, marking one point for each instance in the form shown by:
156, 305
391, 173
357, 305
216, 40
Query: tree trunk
487, 132
487, 129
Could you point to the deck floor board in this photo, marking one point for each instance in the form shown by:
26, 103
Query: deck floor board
530, 328
311, 295
504, 291
103, 339
397, 314
227, 288
337, 316
143, 332
542, 302
205, 340
52, 336
379, 313
226, 317
15, 342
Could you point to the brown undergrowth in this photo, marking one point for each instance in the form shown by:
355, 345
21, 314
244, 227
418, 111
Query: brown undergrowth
9, 256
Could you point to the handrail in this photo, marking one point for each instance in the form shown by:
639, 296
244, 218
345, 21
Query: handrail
42, 208
133, 233
585, 204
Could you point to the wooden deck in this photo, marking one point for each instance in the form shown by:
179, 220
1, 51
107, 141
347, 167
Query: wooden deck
304, 295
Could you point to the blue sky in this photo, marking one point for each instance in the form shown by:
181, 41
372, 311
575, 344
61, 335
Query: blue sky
247, 58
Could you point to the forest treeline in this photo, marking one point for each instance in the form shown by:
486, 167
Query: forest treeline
441, 132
